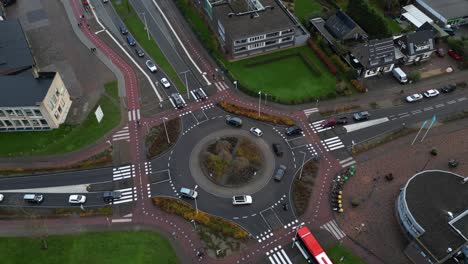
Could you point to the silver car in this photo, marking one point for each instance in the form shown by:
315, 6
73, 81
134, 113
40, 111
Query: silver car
280, 172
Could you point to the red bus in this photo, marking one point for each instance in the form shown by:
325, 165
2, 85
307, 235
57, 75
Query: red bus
310, 247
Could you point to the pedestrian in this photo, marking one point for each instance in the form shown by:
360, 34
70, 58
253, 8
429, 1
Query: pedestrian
79, 24
87, 26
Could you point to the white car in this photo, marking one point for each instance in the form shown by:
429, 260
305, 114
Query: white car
1, 197
256, 131
151, 66
414, 98
431, 93
241, 199
77, 199
165, 83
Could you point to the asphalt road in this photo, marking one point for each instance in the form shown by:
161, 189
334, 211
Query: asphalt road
171, 171
160, 33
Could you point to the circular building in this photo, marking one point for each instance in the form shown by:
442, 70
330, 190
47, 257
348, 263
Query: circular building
432, 209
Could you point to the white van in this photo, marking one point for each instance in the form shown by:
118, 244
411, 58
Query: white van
400, 75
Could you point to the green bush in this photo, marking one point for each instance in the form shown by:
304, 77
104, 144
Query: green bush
368, 19
414, 76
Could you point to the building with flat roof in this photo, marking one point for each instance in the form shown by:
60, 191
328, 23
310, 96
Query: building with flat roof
448, 12
432, 209
246, 28
30, 100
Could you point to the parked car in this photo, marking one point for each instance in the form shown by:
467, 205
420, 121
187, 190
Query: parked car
256, 131
131, 41
440, 52
150, 65
241, 199
200, 94
330, 122
448, 88
139, 52
177, 99
33, 198
454, 55
111, 196
400, 75
165, 83
189, 193
280, 173
1, 197
342, 120
414, 98
431, 93
277, 149
361, 116
293, 130
123, 30
77, 199
233, 121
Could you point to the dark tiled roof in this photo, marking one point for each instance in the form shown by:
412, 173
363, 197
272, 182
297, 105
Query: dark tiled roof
23, 89
376, 53
430, 196
340, 25
14, 49
417, 42
237, 26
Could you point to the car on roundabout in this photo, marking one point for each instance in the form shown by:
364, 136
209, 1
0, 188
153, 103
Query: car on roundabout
256, 131
77, 199
189, 193
293, 130
413, 98
241, 199
431, 93
280, 171
277, 149
233, 121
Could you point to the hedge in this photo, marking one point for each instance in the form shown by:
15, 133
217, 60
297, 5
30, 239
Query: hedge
238, 110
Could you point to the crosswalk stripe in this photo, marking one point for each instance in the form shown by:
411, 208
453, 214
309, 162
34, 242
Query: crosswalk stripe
309, 111
334, 144
224, 85
123, 220
338, 147
330, 139
218, 86
332, 227
129, 115
345, 160
348, 164
286, 257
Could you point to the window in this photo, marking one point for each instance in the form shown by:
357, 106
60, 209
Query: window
26, 123
2, 113
271, 42
242, 41
240, 49
37, 112
8, 123
19, 113
271, 35
28, 112
256, 38
35, 122
62, 102
10, 112
52, 101
284, 32
59, 109
43, 121
57, 115
17, 123
256, 45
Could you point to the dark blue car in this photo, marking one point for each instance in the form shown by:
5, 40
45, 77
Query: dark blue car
131, 41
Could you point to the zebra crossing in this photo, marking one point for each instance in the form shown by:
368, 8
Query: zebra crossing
317, 126
207, 106
332, 227
221, 86
310, 111
134, 115
148, 187
278, 256
264, 236
128, 195
347, 162
122, 134
123, 172
332, 143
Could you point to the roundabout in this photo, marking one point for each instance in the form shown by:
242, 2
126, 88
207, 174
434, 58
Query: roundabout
221, 161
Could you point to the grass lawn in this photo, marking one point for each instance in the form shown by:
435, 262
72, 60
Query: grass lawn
136, 27
67, 137
303, 9
288, 79
102, 248
338, 251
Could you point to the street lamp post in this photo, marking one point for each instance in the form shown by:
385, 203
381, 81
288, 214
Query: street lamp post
196, 206
165, 128
186, 83
146, 25
302, 167
259, 101
235, 83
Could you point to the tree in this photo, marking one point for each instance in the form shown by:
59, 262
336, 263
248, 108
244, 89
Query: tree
368, 19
